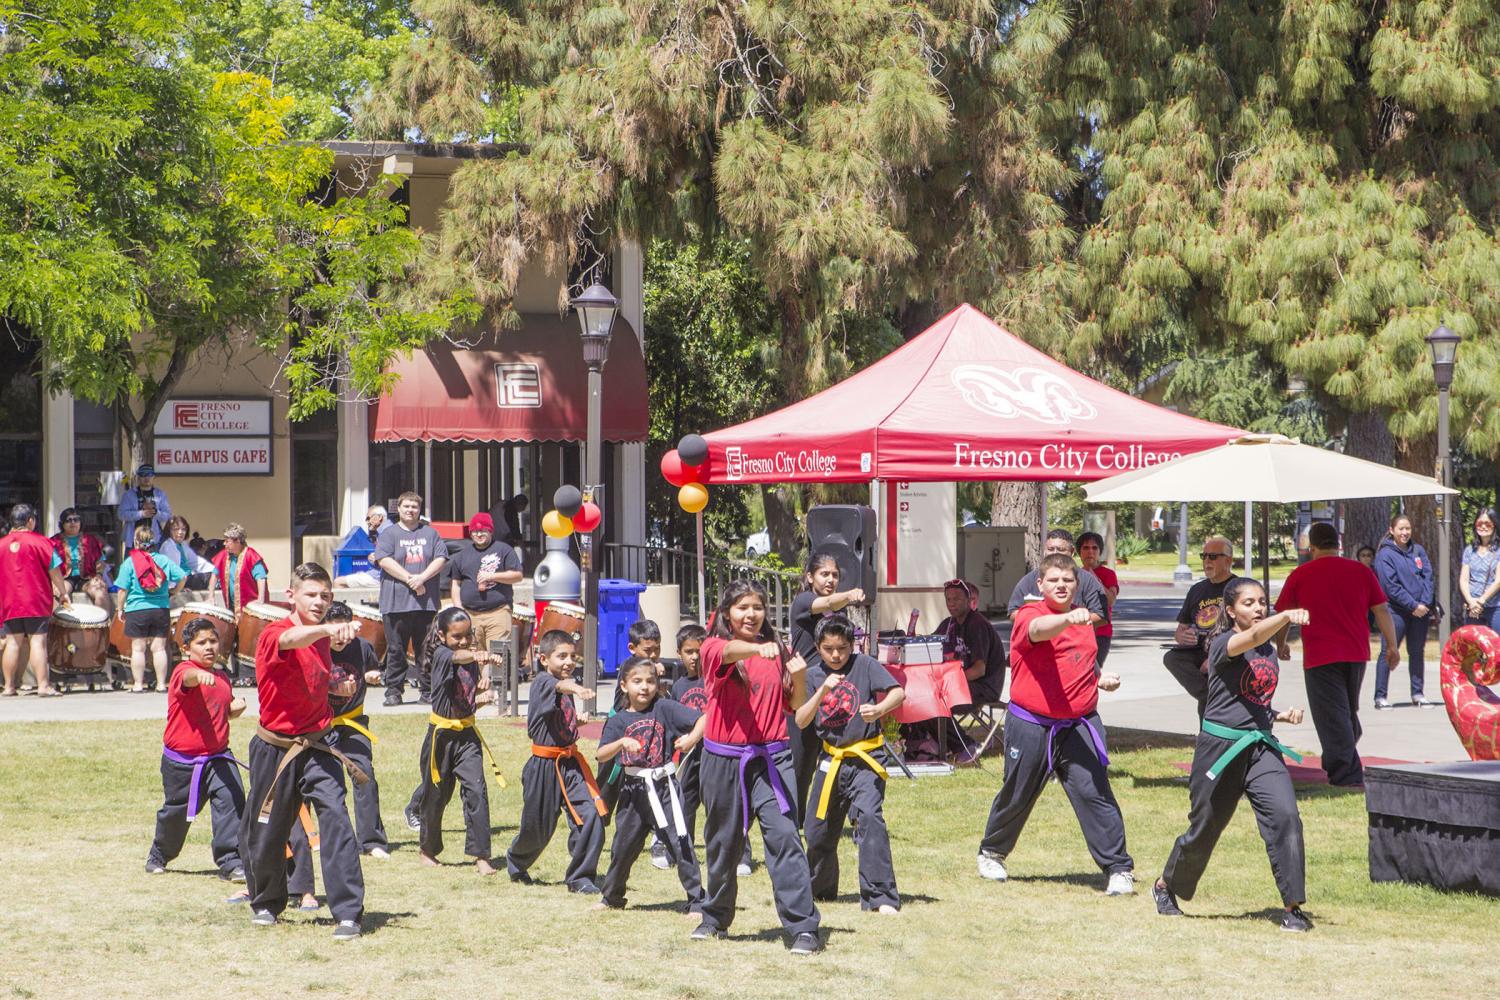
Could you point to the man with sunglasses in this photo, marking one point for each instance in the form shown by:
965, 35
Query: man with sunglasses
1187, 661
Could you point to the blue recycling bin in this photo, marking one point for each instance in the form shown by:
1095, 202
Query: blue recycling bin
619, 608
353, 554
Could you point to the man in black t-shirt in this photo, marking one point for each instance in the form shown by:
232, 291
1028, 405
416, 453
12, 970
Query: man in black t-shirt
1187, 660
482, 574
969, 638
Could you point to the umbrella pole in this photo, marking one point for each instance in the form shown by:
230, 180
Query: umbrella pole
1265, 549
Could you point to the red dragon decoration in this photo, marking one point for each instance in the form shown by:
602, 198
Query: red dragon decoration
1471, 660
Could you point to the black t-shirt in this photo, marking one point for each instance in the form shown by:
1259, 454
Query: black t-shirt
656, 730
972, 641
551, 719
691, 692
1090, 593
465, 567
453, 685
864, 682
803, 625
1200, 608
351, 661
1240, 687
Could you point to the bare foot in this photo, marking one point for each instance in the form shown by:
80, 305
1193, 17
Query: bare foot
429, 862
483, 866
888, 910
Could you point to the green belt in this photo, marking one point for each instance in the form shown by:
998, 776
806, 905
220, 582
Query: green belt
1242, 739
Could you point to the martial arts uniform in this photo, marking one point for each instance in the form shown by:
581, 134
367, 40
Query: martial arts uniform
355, 738
1052, 728
295, 757
557, 778
746, 770
803, 623
691, 692
196, 761
1237, 755
649, 797
850, 782
453, 752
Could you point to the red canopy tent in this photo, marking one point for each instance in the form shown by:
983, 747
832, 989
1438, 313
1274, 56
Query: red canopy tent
964, 400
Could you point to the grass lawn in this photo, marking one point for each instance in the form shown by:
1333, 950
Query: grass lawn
1161, 564
86, 921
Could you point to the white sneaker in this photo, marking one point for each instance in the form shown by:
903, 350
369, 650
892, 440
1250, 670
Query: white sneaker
1381, 704
742, 870
379, 852
1121, 884
991, 866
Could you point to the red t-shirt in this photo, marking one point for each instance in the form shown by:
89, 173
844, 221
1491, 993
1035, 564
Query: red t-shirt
26, 559
1109, 581
198, 716
737, 713
1337, 594
292, 683
1053, 678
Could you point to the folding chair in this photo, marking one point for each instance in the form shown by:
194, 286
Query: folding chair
987, 716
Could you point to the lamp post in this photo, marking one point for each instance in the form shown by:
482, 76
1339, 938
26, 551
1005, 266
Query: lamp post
596, 309
1443, 343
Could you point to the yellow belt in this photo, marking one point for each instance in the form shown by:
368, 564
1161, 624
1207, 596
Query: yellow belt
458, 725
348, 719
837, 754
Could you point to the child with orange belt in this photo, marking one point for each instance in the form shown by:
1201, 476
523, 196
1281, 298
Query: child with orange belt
557, 777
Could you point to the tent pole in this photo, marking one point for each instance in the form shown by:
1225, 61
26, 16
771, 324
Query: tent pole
872, 639
1265, 549
702, 594
1249, 537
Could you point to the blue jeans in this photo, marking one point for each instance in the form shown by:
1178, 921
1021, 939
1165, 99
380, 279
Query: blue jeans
1490, 618
1414, 631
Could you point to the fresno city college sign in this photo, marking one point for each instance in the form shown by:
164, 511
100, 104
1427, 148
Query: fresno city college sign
225, 437
214, 416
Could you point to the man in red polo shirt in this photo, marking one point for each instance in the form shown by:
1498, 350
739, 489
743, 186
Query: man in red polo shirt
1339, 595
30, 580
1051, 727
294, 758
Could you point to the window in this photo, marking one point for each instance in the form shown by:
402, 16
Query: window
315, 462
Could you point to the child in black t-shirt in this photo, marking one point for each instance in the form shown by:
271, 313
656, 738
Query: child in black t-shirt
850, 694
1237, 755
642, 737
455, 748
356, 661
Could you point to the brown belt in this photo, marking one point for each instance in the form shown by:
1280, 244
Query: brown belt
295, 745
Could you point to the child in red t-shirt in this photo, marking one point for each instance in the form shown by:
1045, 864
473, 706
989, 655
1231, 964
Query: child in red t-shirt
1051, 727
196, 759
746, 767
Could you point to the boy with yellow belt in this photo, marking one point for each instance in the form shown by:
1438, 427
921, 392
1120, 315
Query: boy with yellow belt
355, 661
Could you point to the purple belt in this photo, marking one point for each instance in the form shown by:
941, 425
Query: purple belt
747, 752
197, 764
1055, 726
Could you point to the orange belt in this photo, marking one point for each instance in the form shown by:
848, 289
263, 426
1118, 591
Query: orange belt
556, 755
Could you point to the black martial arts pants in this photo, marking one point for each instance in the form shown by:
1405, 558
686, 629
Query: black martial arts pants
806, 748
687, 780
541, 803
299, 867
367, 796
1082, 775
317, 778
402, 627
1259, 774
221, 794
1186, 668
859, 795
460, 760
725, 837
1333, 700
634, 821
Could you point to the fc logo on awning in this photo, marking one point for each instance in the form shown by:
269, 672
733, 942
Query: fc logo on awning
518, 385
1023, 392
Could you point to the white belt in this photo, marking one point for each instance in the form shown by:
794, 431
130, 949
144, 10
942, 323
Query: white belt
652, 776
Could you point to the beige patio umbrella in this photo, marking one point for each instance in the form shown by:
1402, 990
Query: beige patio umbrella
1266, 468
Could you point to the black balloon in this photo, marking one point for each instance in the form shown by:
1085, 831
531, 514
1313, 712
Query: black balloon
567, 500
692, 449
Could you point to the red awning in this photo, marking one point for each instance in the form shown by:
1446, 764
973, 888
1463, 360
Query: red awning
962, 401
528, 384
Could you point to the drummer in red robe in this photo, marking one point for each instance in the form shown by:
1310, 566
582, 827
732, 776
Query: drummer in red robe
240, 574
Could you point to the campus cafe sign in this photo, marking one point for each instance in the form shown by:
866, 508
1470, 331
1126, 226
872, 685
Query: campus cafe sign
226, 437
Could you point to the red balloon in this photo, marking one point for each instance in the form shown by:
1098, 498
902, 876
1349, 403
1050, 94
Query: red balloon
588, 517
675, 472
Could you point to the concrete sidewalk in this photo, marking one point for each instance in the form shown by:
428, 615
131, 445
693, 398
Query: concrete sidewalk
1148, 697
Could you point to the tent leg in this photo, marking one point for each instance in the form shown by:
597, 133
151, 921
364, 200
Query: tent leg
702, 594
1265, 549
1249, 537
872, 639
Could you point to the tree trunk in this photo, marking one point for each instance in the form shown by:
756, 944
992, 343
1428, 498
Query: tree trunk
1366, 521
782, 522
1020, 504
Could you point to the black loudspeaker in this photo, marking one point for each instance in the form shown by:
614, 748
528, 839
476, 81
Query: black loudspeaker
848, 532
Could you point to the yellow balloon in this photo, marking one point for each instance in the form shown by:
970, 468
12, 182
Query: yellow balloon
557, 526
693, 497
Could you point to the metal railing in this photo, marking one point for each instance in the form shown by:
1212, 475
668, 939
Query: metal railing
654, 564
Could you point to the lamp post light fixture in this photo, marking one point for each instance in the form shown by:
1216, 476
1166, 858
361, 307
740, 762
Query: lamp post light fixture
597, 309
1443, 343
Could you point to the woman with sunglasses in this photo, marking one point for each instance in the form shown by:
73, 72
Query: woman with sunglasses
1479, 582
81, 553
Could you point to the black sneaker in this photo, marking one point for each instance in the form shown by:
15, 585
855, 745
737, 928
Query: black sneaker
585, 889
807, 944
1295, 920
706, 931
236, 875
522, 878
392, 697
347, 930
1166, 903
659, 857
263, 918
155, 868
413, 819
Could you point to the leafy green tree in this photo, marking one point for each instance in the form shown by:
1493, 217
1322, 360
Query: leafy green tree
150, 209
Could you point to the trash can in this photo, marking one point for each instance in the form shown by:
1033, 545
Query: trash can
353, 554
619, 608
